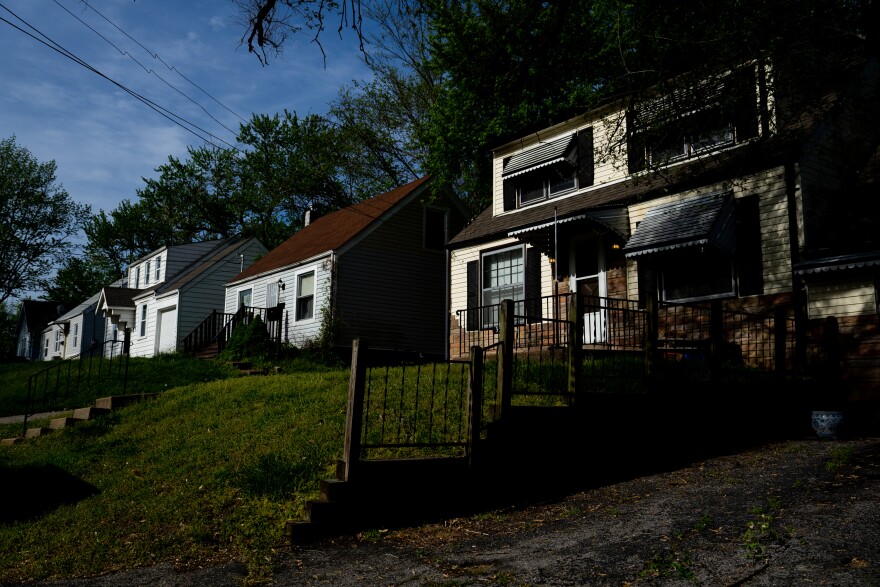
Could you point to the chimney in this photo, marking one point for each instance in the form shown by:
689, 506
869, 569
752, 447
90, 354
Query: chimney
308, 218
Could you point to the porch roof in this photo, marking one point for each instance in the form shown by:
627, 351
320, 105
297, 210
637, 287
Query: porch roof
703, 220
838, 263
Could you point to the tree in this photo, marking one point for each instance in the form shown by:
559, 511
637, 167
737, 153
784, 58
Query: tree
8, 336
39, 220
79, 279
269, 23
510, 66
384, 119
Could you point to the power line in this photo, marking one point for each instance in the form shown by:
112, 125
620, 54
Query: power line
146, 101
162, 61
146, 69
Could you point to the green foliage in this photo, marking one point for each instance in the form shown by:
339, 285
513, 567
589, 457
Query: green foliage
248, 341
208, 471
39, 220
840, 456
762, 531
668, 565
83, 380
8, 334
78, 279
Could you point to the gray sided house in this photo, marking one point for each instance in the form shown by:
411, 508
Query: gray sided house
737, 199
376, 270
33, 317
76, 332
171, 291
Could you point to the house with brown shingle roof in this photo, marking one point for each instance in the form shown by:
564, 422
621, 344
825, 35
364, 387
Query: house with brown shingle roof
169, 292
376, 270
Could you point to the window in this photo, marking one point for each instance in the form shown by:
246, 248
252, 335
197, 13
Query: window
137, 277
58, 340
244, 297
143, 325
679, 142
550, 170
158, 268
147, 274
694, 120
435, 229
46, 346
503, 278
76, 335
305, 296
696, 273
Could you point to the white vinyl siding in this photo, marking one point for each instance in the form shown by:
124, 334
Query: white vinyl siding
608, 128
847, 298
769, 186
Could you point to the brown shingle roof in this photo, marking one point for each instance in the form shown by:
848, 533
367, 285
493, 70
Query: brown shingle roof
330, 232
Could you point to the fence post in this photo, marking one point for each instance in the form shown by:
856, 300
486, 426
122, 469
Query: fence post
505, 358
716, 334
780, 336
474, 407
651, 311
575, 343
354, 416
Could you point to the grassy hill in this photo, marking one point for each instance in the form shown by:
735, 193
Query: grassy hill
207, 472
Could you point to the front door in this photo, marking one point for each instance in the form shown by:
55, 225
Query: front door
588, 277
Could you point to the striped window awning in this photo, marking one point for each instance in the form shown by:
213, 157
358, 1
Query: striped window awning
541, 156
697, 221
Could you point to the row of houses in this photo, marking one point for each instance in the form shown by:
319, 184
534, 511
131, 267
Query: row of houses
738, 197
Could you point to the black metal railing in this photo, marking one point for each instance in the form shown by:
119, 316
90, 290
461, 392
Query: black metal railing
100, 369
415, 407
218, 328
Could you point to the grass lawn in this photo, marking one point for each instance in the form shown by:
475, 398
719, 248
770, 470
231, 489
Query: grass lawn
209, 471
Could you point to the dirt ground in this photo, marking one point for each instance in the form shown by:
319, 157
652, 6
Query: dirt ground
802, 512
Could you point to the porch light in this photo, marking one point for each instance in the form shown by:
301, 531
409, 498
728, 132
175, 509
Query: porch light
280, 284
615, 246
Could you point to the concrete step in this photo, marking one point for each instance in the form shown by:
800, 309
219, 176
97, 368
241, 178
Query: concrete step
11, 441
120, 401
35, 432
59, 423
89, 413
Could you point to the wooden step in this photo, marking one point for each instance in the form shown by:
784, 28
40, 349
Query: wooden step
242, 365
248, 372
89, 413
335, 490
326, 513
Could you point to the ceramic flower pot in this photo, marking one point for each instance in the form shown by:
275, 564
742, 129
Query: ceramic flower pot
827, 423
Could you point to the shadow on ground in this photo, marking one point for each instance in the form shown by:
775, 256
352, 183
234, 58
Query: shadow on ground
34, 491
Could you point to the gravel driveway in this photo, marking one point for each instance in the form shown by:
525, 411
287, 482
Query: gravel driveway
804, 512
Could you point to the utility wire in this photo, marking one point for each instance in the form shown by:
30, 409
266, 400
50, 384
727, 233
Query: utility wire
149, 103
162, 61
146, 69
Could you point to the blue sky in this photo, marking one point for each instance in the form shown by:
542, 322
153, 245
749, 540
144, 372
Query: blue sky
103, 140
